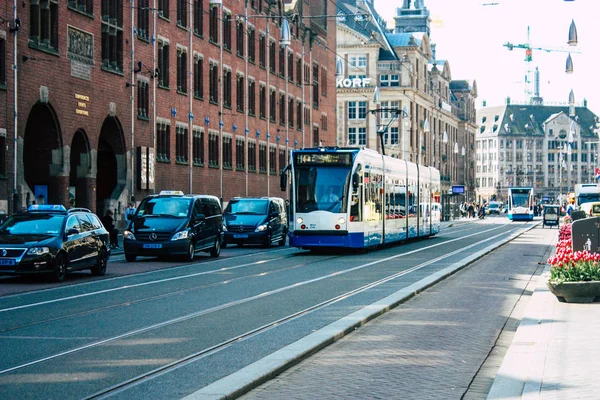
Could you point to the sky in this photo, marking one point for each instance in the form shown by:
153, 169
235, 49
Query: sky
470, 35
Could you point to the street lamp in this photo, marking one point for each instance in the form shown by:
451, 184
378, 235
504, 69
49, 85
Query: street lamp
382, 129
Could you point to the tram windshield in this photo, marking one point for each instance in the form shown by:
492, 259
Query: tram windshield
323, 188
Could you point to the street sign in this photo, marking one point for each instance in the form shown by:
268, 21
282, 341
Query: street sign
458, 189
586, 234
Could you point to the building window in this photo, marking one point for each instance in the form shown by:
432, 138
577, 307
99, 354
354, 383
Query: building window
389, 80
213, 25
112, 34
2, 62
163, 142
272, 56
181, 70
298, 115
251, 98
214, 83
357, 136
251, 45
299, 70
181, 144
281, 108
2, 156
282, 160
163, 8
199, 17
357, 109
143, 93
316, 140
392, 137
199, 77
143, 14
262, 158
198, 147
251, 156
315, 86
227, 152
291, 112
358, 61
290, 66
272, 106
272, 160
83, 6
239, 93
182, 13
240, 154
324, 81
43, 23
227, 32
163, 64
262, 51
239, 38
324, 122
282, 62
227, 88
390, 105
213, 150
262, 101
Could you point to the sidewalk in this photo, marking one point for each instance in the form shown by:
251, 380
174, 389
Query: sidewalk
555, 351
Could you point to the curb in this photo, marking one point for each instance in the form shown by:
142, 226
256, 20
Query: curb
259, 372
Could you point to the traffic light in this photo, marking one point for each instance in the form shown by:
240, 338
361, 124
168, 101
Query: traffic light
528, 55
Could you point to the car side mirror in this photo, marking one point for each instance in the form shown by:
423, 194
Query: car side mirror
199, 217
355, 181
72, 231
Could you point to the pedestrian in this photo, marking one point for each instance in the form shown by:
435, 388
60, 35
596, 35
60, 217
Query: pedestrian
129, 211
109, 223
471, 210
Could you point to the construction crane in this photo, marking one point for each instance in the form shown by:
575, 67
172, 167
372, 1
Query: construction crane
531, 87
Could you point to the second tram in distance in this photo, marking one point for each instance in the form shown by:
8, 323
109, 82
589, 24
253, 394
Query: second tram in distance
358, 198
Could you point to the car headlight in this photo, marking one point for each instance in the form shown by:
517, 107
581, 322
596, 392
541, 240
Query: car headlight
181, 235
38, 251
128, 235
261, 228
224, 228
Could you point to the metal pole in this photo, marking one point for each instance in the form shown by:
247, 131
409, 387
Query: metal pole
132, 101
16, 110
221, 103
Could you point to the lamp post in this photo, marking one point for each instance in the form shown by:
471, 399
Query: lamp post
426, 129
382, 129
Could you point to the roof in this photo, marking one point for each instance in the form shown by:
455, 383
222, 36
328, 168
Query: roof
528, 120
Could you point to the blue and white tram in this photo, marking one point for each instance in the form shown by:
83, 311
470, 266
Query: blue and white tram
357, 198
520, 204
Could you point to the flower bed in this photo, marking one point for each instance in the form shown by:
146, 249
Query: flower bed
569, 271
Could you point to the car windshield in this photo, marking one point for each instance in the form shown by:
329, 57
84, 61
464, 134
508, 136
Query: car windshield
247, 206
33, 224
172, 207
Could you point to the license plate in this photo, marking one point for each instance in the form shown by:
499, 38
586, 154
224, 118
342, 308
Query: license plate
152, 246
240, 236
7, 262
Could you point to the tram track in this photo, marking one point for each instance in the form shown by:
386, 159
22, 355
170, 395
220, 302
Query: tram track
224, 344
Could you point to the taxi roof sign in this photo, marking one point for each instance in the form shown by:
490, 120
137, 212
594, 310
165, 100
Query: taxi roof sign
46, 207
171, 193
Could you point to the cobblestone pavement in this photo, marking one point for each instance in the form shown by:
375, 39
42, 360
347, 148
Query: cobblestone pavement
435, 345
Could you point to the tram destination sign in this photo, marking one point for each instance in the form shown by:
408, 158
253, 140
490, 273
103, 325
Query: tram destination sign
323, 159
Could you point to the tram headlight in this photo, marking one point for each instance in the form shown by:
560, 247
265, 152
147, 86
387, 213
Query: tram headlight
341, 220
299, 221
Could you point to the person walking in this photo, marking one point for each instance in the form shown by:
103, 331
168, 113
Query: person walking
129, 211
109, 223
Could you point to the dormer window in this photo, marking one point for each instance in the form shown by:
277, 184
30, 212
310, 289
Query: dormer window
496, 117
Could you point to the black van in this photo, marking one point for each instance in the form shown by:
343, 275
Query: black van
255, 220
172, 223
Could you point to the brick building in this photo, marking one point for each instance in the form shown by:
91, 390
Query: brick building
120, 99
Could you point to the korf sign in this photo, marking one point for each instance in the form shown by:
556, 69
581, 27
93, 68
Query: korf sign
352, 83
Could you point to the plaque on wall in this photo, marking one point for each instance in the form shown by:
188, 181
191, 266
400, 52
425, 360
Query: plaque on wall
80, 50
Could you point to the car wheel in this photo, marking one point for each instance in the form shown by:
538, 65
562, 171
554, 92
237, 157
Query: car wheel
100, 268
60, 268
191, 252
268, 240
216, 249
283, 236
130, 257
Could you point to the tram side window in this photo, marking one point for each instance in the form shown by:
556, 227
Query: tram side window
412, 200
